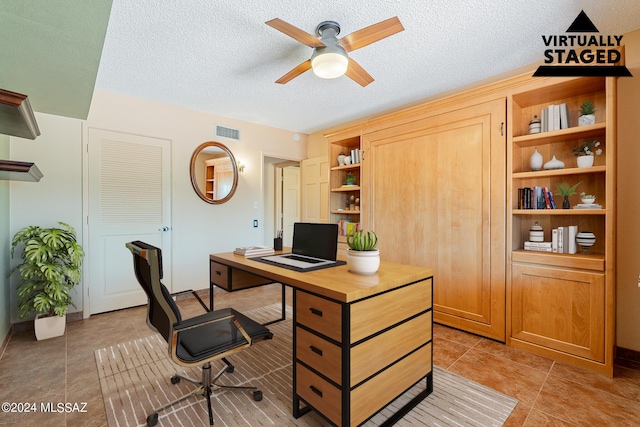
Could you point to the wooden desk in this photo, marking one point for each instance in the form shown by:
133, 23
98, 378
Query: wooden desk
358, 341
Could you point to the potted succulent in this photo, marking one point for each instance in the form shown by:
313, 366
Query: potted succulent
350, 179
587, 116
585, 152
565, 191
362, 255
50, 269
587, 199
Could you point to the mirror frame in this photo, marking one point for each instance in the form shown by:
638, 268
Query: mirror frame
192, 169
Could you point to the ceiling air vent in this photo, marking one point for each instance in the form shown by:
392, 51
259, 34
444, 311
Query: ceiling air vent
225, 132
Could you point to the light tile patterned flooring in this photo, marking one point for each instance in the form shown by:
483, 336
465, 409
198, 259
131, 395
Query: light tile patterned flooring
62, 370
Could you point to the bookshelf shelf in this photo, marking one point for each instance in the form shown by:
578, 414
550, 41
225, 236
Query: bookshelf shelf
346, 189
559, 212
559, 172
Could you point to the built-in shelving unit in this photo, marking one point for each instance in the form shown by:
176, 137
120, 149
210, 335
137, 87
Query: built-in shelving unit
561, 304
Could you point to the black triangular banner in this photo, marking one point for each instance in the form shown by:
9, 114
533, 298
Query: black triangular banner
582, 24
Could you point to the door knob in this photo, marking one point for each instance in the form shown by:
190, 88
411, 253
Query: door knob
164, 229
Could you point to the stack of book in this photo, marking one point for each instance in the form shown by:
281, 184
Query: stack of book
587, 206
535, 198
254, 250
538, 246
346, 227
555, 117
563, 239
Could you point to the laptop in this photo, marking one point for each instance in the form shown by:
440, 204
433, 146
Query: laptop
315, 246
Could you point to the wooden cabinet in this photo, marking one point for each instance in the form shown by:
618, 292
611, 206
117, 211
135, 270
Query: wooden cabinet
562, 304
345, 202
434, 193
352, 359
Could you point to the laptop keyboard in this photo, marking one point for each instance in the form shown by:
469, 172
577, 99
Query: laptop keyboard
305, 259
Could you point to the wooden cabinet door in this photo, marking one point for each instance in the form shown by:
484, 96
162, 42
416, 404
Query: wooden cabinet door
435, 195
559, 308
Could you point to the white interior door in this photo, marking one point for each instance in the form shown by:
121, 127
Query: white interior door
290, 202
129, 198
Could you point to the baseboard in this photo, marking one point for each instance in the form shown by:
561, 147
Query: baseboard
625, 353
5, 342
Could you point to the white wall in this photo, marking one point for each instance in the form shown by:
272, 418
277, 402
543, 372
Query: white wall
198, 228
58, 196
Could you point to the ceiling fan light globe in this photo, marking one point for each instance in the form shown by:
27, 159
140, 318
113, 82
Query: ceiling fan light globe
329, 65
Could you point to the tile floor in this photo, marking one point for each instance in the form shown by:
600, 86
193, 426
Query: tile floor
62, 370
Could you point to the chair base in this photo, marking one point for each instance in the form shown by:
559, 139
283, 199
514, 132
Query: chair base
205, 387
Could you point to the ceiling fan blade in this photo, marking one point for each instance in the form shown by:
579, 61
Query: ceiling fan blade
371, 34
305, 66
358, 74
295, 32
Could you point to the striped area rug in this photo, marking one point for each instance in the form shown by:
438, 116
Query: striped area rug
135, 377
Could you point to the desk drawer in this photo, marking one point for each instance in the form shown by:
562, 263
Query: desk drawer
319, 314
323, 356
320, 394
232, 279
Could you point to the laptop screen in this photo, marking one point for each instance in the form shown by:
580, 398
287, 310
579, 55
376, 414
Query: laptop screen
315, 240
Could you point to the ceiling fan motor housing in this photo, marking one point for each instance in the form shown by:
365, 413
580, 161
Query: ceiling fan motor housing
329, 61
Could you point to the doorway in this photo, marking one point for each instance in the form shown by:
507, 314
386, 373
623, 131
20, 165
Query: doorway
282, 198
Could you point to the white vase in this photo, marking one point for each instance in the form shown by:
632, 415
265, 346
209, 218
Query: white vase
587, 119
554, 164
363, 262
49, 327
535, 161
585, 161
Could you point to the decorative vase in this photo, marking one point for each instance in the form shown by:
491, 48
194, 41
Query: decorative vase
565, 203
535, 125
535, 161
554, 164
536, 233
585, 161
586, 239
49, 327
587, 119
341, 159
363, 262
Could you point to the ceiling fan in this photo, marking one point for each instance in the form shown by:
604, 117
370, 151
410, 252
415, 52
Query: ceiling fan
329, 59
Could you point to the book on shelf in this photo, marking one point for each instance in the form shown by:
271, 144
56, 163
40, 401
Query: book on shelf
555, 117
573, 230
346, 227
536, 198
538, 246
587, 206
355, 156
554, 240
560, 240
254, 250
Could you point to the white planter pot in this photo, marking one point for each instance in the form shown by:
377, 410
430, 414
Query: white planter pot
585, 161
363, 262
587, 119
49, 327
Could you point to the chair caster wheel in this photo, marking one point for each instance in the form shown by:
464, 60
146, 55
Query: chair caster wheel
230, 369
174, 380
257, 395
152, 419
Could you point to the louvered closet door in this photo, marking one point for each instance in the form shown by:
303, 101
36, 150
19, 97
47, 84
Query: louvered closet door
129, 199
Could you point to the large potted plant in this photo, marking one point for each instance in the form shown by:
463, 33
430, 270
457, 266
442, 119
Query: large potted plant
50, 269
362, 255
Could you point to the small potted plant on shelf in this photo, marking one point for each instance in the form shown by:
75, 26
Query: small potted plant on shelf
587, 116
50, 269
585, 152
362, 255
350, 179
565, 191
587, 199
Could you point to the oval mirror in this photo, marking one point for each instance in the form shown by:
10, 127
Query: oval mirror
214, 172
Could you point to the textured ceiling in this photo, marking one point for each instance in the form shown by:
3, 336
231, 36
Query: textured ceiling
218, 56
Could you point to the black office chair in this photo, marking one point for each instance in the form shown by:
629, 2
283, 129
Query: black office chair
195, 341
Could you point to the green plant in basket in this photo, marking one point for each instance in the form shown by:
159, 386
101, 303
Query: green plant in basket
362, 241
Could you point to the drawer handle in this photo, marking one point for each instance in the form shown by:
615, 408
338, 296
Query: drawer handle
316, 350
316, 311
219, 273
315, 390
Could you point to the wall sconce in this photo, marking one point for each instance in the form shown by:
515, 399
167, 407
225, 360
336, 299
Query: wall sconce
240, 166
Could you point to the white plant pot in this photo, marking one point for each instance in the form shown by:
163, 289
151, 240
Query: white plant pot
49, 327
587, 119
585, 161
363, 262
